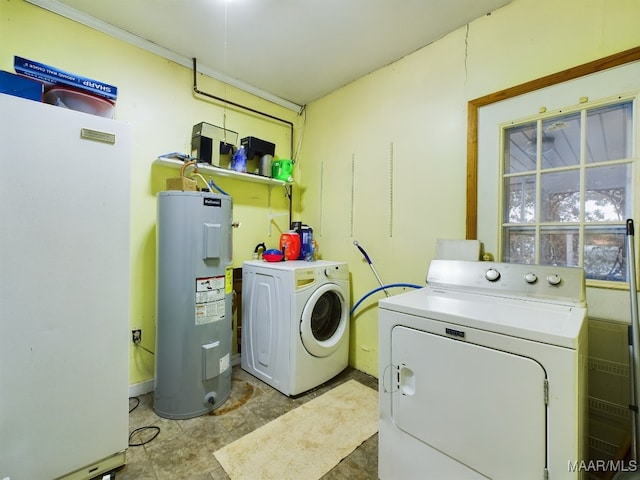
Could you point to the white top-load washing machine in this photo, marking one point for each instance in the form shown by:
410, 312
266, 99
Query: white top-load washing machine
483, 374
295, 322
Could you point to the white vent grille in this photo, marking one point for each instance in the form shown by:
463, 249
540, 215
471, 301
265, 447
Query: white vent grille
606, 366
597, 405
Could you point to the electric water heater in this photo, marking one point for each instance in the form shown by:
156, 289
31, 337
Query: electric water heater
193, 305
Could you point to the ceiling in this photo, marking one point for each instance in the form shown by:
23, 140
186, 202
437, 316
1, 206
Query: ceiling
296, 50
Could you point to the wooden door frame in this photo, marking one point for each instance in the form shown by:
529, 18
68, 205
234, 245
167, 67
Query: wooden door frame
474, 106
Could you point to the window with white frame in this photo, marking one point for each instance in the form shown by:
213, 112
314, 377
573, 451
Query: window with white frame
567, 188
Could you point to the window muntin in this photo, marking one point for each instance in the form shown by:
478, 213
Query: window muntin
567, 189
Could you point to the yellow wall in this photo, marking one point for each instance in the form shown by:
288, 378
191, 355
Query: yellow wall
412, 114
155, 98
401, 131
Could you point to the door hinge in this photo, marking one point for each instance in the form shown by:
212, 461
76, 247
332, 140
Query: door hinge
546, 474
546, 391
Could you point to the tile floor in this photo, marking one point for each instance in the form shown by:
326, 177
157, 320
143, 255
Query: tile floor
183, 450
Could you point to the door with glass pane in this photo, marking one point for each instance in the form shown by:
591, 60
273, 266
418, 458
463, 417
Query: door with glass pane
567, 188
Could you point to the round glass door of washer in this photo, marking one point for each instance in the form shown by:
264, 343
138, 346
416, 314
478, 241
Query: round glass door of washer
324, 321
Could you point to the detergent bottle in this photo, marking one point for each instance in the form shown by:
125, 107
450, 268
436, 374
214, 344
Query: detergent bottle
290, 245
306, 243
239, 160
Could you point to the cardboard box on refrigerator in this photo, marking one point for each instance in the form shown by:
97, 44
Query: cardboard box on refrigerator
54, 76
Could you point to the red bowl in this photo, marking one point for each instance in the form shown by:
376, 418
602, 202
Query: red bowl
272, 257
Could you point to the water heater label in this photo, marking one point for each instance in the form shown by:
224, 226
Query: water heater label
212, 202
225, 362
210, 299
229, 276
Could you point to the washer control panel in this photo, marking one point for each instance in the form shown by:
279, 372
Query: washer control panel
338, 271
510, 279
321, 270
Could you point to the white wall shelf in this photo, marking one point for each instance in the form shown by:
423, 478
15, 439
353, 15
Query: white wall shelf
205, 168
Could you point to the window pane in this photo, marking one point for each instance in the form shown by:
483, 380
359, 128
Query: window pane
568, 187
607, 196
559, 246
609, 133
520, 199
561, 141
560, 196
605, 254
519, 245
520, 149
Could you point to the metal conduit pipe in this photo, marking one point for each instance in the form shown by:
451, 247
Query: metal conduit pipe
197, 91
229, 102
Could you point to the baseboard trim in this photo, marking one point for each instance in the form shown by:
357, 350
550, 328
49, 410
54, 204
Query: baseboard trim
141, 388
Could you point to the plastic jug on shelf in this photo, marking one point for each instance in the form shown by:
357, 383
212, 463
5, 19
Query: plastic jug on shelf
282, 170
290, 245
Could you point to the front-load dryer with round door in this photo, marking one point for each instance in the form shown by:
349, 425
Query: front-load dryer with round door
295, 322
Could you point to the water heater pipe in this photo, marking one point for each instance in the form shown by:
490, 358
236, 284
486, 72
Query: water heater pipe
229, 102
196, 90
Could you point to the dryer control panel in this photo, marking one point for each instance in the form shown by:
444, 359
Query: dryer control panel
557, 284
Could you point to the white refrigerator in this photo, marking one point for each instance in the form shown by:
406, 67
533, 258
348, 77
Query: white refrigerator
64, 292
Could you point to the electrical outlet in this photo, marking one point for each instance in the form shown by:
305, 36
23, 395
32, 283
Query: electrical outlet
136, 336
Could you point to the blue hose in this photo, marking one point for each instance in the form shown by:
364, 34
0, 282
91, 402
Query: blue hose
382, 287
212, 184
364, 253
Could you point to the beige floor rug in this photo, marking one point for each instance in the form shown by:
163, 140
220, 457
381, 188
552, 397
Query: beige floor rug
306, 442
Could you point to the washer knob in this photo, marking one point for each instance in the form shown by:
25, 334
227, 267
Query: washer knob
531, 277
554, 279
492, 275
